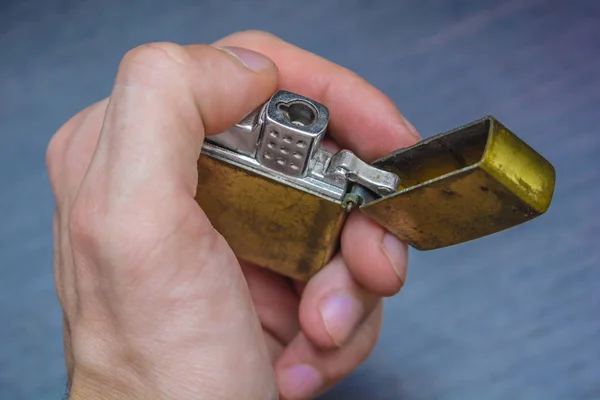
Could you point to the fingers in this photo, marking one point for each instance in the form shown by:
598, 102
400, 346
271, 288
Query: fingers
376, 259
70, 151
137, 196
68, 157
304, 371
138, 193
363, 119
340, 310
165, 99
275, 301
333, 306
149, 265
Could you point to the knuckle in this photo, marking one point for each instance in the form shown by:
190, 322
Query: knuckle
94, 231
102, 236
156, 56
368, 334
84, 226
358, 349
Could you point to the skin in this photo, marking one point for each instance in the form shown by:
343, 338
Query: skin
156, 305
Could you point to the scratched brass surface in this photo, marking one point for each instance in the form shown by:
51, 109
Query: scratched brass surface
267, 223
468, 183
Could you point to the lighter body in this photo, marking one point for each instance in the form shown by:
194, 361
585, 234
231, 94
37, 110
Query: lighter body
281, 200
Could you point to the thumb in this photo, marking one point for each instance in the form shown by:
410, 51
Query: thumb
166, 98
163, 273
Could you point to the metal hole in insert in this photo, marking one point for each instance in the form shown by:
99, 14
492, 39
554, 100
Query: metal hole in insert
299, 113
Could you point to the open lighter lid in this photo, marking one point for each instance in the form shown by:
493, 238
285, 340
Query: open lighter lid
471, 182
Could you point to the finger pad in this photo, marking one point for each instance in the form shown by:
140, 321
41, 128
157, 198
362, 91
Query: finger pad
363, 252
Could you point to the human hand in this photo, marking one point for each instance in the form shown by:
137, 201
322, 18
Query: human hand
155, 302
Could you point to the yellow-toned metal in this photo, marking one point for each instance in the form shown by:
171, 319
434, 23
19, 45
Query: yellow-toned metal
465, 184
458, 186
267, 222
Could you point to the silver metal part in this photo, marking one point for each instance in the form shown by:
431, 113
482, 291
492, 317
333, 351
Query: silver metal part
345, 165
314, 182
243, 136
294, 128
282, 140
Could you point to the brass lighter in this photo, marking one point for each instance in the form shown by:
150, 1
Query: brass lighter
280, 199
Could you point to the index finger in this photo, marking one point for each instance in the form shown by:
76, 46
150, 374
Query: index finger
363, 119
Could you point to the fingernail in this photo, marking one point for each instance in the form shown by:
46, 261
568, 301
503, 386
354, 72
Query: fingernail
300, 381
395, 250
251, 59
341, 315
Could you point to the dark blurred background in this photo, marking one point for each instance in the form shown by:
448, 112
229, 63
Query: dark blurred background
515, 315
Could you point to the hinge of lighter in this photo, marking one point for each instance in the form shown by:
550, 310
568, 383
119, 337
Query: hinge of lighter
280, 199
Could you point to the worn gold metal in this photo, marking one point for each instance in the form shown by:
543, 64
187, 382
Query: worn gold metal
269, 223
465, 184
281, 200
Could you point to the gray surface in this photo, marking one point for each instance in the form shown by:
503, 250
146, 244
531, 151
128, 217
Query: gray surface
516, 315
